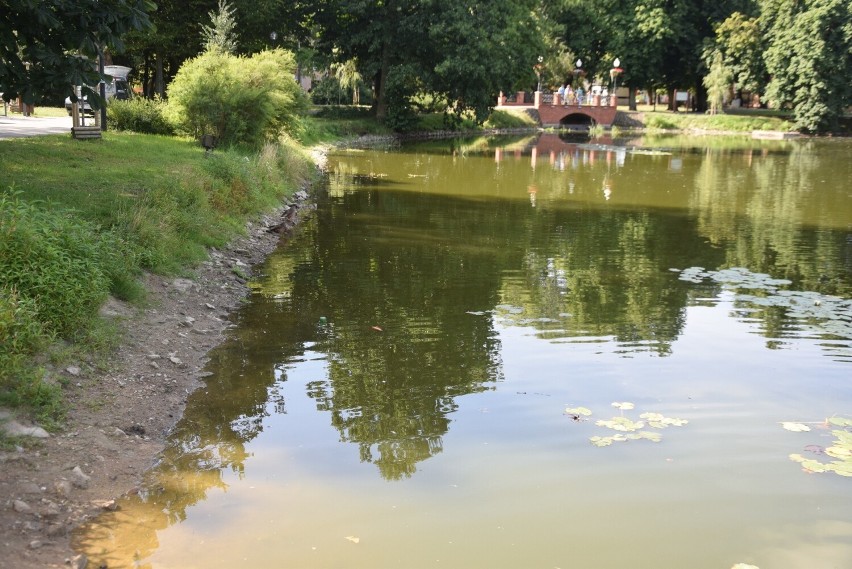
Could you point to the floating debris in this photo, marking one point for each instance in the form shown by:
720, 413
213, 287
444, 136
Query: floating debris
840, 450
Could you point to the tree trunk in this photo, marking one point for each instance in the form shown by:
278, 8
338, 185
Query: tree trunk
159, 81
631, 98
381, 85
146, 76
672, 99
700, 98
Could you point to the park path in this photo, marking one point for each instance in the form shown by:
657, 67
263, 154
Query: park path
17, 126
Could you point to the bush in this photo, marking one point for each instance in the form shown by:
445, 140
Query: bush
327, 91
240, 100
146, 116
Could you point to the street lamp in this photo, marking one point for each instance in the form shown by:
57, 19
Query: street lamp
538, 71
273, 36
613, 74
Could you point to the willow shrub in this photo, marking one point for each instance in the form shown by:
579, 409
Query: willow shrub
146, 116
240, 100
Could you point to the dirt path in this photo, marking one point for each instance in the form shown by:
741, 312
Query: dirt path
119, 418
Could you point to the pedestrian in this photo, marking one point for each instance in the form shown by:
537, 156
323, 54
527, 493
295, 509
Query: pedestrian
569, 95
561, 93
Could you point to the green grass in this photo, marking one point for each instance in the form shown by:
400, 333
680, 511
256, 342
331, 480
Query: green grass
80, 220
666, 120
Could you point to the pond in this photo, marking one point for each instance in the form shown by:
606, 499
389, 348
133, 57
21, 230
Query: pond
529, 352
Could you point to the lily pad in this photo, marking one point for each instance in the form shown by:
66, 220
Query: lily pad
840, 450
583, 411
624, 406
621, 424
795, 427
840, 421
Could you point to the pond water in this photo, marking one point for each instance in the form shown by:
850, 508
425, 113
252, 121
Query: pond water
535, 352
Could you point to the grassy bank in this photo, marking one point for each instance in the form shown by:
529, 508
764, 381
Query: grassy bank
82, 220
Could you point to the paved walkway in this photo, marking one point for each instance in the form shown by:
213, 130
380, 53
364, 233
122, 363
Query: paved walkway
17, 126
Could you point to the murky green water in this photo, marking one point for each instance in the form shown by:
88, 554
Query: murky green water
395, 394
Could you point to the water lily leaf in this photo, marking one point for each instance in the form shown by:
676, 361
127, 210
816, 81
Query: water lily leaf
578, 411
813, 465
652, 416
840, 421
623, 405
795, 427
353, 539
621, 424
839, 452
651, 436
843, 468
797, 458
601, 441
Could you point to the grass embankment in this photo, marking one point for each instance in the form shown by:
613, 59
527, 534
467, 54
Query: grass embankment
745, 121
82, 220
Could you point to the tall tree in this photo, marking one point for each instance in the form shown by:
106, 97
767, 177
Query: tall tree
809, 57
48, 46
465, 51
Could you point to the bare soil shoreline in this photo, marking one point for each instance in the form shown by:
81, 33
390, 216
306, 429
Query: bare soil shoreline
119, 418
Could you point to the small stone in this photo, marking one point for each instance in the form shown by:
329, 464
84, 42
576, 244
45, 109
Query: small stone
35, 544
56, 530
210, 306
21, 507
79, 478
73, 370
79, 561
31, 488
175, 360
30, 525
154, 365
63, 488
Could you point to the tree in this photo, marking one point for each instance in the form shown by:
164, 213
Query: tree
717, 82
221, 35
464, 51
46, 47
809, 59
349, 78
740, 42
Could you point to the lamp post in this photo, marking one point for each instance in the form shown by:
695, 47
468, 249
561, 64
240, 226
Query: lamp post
538, 72
578, 69
273, 36
613, 73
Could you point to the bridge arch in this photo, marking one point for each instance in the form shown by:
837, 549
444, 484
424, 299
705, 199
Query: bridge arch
578, 118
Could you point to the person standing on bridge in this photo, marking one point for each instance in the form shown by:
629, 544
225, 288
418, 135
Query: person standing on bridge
569, 95
561, 93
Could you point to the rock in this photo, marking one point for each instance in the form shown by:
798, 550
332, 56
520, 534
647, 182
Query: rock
21, 507
35, 544
79, 478
56, 530
78, 561
63, 488
73, 370
31, 488
15, 429
210, 306
182, 285
175, 360
32, 526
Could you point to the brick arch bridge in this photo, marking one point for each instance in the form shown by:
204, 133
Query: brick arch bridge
552, 111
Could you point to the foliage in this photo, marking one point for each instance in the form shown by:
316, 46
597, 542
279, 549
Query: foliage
147, 116
508, 119
72, 234
48, 46
464, 52
739, 41
240, 100
326, 91
348, 77
809, 59
220, 36
717, 82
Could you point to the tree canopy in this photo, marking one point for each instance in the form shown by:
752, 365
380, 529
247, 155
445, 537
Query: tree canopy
49, 45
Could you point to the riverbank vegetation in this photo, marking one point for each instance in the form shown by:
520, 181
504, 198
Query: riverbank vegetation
81, 221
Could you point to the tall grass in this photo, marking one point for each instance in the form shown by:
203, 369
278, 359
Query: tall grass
82, 220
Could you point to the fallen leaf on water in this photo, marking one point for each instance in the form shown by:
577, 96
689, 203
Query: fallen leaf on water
353, 539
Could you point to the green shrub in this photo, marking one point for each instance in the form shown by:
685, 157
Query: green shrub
327, 91
147, 116
240, 100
